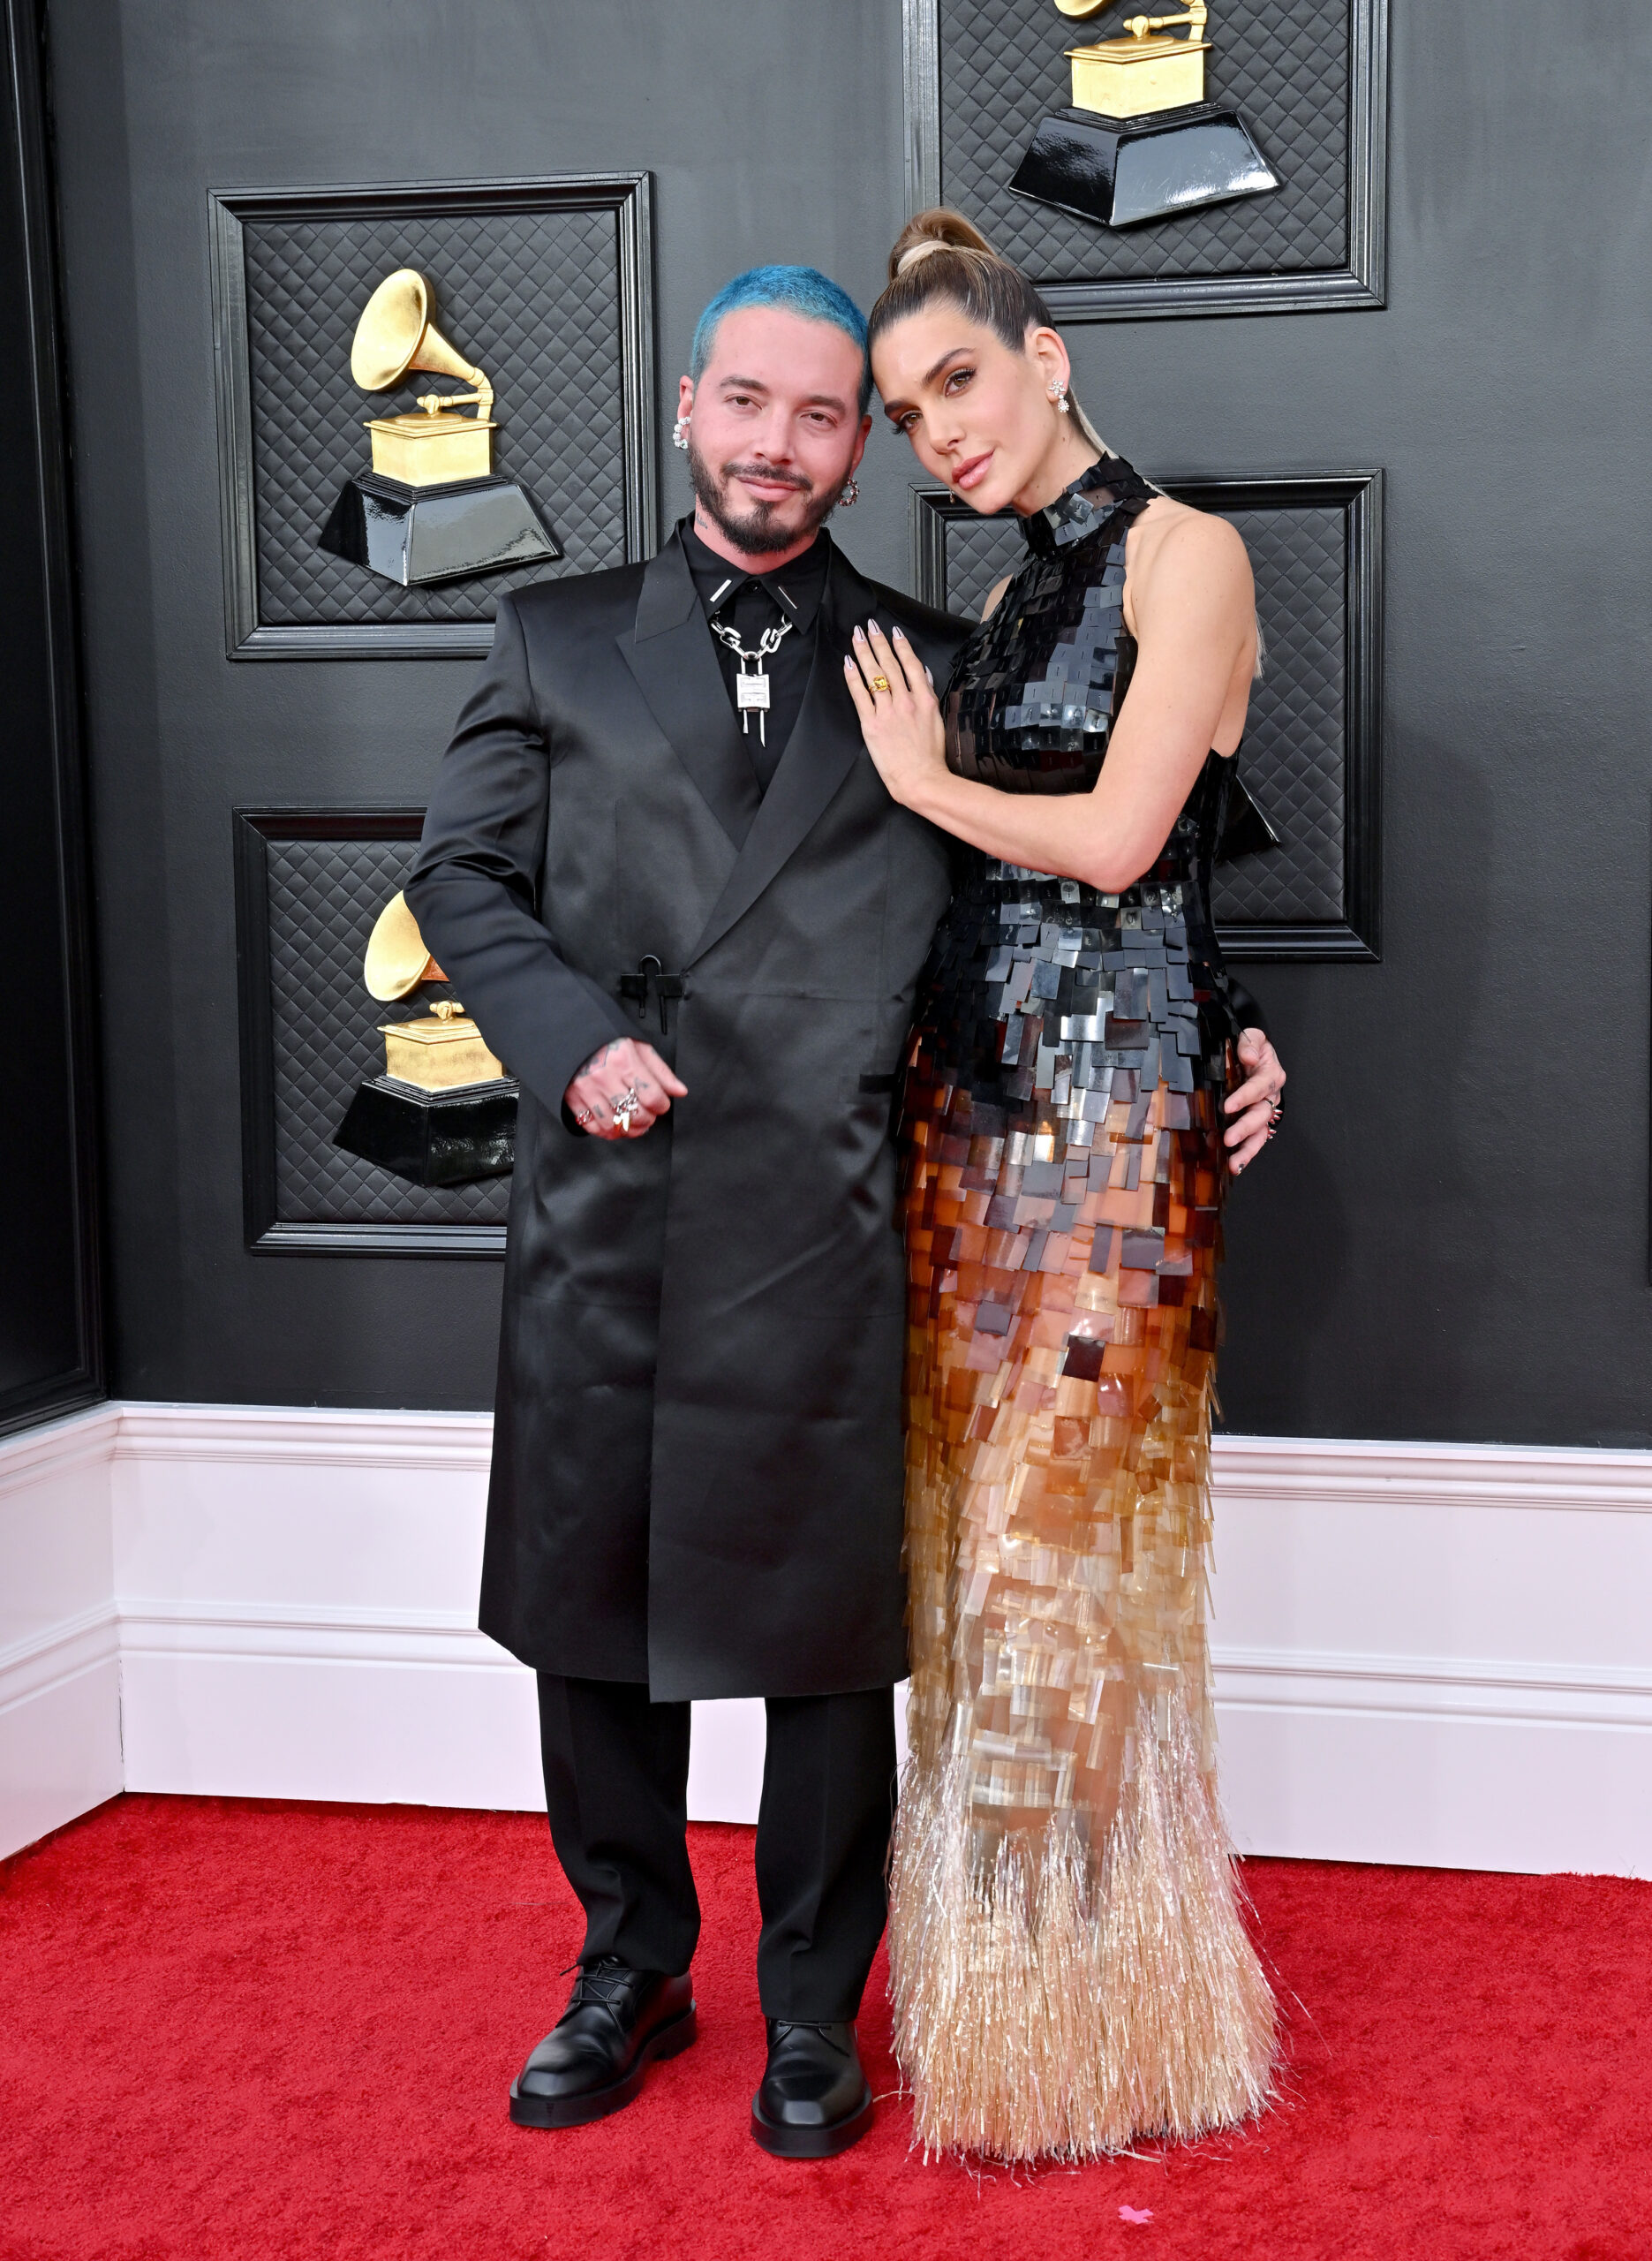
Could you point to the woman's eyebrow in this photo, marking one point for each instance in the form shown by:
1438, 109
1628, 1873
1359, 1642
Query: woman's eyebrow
935, 367
899, 407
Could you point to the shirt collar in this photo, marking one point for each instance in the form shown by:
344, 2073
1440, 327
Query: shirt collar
797, 586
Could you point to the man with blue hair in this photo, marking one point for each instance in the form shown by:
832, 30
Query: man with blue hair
666, 878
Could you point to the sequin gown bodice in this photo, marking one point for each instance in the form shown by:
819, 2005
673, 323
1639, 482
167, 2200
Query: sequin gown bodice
1033, 700
1069, 1970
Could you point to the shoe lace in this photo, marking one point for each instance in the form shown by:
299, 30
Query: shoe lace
606, 1981
782, 2027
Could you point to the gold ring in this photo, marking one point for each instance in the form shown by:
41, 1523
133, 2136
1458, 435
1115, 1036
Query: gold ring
881, 683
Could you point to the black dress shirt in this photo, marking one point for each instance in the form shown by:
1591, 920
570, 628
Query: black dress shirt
749, 603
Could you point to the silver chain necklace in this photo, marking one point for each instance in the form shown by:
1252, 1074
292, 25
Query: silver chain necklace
751, 688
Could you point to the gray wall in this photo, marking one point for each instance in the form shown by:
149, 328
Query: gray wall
50, 1334
1449, 1240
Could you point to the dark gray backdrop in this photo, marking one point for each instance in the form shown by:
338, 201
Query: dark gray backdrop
1450, 1240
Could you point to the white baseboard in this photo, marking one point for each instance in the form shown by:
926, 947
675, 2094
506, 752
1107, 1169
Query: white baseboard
60, 1751
59, 1664
1432, 1655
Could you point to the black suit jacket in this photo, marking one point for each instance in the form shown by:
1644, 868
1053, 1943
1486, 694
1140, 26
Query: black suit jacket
696, 1474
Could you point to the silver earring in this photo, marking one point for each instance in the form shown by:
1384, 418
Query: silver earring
1058, 394
850, 495
680, 433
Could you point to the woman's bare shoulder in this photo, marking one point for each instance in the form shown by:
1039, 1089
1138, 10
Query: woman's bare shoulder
1171, 539
993, 594
1166, 524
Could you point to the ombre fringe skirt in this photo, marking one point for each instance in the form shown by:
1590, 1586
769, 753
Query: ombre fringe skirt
1069, 1965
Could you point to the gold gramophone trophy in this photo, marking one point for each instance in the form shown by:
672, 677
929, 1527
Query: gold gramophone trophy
431, 507
444, 1111
1140, 141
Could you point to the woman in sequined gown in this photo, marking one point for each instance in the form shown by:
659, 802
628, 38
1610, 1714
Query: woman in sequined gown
1069, 1965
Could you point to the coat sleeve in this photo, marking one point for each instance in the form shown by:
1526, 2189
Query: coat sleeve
1247, 1011
474, 885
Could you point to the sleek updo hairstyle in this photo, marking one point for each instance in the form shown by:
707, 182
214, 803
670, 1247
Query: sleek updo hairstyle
938, 254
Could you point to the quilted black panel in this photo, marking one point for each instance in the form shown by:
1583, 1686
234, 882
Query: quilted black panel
324, 895
979, 552
1284, 63
532, 296
1296, 738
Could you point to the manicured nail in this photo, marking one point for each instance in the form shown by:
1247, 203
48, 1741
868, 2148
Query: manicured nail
901, 634
859, 638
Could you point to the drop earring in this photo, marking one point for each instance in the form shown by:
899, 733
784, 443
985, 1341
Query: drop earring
1058, 394
850, 495
680, 433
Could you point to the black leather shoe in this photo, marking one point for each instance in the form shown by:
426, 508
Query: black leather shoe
618, 2021
814, 2100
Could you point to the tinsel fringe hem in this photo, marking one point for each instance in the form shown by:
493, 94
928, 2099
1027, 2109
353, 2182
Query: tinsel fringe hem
1059, 2007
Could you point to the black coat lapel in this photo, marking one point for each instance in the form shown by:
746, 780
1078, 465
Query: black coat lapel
823, 746
669, 652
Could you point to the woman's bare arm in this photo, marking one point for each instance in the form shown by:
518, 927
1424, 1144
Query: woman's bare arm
1193, 613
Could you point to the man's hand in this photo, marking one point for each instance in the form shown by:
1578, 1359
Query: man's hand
1253, 1107
624, 1072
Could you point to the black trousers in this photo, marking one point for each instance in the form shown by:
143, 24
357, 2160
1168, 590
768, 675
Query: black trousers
616, 1773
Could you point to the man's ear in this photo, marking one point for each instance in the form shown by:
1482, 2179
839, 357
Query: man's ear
860, 443
685, 396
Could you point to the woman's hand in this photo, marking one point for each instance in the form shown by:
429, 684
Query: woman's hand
900, 715
1254, 1108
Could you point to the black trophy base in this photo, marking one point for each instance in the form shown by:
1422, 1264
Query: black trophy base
455, 1137
1125, 170
415, 534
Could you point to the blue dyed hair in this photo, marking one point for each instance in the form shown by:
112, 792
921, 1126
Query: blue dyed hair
800, 290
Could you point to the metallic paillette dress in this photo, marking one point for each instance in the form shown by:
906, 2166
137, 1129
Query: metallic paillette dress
1070, 1969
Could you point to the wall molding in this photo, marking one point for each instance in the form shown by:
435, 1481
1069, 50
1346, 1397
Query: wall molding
1354, 934
45, 1662
313, 1631
1361, 282
414, 1233
1443, 1688
229, 211
58, 1448
287, 1610
304, 1436
1590, 1478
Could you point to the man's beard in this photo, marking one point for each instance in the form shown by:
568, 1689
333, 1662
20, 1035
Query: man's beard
760, 529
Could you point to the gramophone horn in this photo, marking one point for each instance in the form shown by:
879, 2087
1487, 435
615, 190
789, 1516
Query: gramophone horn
397, 960
396, 334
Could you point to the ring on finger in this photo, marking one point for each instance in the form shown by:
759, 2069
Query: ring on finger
881, 683
628, 1104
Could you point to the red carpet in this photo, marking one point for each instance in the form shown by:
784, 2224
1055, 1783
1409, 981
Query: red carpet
230, 2029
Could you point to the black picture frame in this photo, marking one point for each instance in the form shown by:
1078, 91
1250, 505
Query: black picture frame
264, 1233
627, 195
1362, 283
1358, 494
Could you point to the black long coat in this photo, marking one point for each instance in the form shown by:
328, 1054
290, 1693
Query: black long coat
697, 1476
